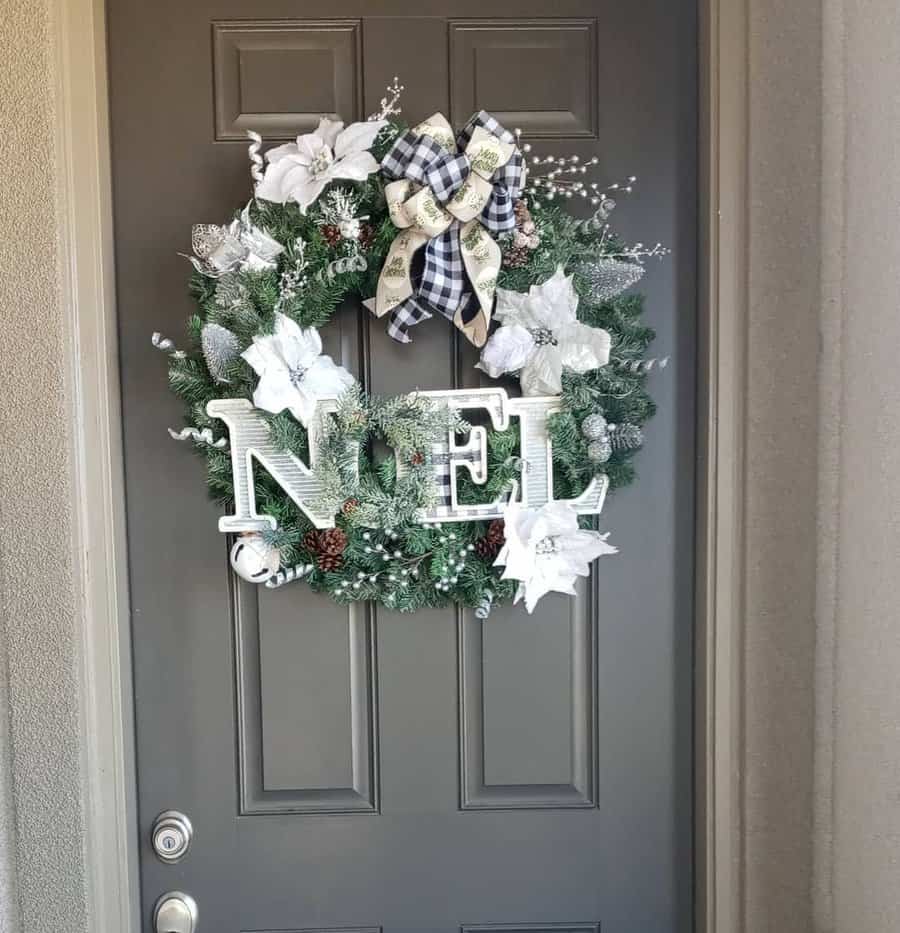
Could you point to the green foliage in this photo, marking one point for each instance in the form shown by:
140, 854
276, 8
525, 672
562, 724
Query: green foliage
390, 557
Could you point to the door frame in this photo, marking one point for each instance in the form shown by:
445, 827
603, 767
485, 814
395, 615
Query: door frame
86, 245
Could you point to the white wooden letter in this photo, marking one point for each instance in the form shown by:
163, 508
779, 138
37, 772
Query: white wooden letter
249, 436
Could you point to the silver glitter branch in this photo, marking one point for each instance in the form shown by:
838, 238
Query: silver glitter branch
389, 103
288, 575
201, 437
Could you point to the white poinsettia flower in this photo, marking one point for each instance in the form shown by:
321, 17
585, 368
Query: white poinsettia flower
546, 550
240, 246
293, 372
300, 171
540, 336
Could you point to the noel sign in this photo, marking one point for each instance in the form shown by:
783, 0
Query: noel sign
484, 495
249, 441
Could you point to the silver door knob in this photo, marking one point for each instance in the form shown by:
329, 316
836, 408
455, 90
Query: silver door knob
175, 913
171, 836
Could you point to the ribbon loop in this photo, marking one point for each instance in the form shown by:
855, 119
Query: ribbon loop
449, 195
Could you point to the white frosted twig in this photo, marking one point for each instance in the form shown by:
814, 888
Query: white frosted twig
389, 103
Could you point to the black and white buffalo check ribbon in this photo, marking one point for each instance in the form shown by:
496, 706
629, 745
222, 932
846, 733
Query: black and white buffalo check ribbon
450, 196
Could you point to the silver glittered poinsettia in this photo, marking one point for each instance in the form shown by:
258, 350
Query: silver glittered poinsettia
241, 246
293, 372
546, 551
540, 336
299, 171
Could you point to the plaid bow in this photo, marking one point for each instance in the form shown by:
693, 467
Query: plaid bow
449, 196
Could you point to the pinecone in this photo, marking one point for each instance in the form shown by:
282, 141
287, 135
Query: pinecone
366, 236
329, 562
332, 541
332, 234
417, 459
350, 505
522, 214
326, 546
489, 545
311, 542
516, 256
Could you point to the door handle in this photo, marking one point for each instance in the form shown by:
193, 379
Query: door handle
175, 913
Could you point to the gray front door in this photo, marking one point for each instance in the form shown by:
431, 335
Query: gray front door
370, 771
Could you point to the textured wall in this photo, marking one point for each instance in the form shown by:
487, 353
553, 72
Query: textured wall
866, 695
36, 582
784, 298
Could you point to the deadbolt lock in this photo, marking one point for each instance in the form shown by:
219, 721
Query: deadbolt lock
171, 836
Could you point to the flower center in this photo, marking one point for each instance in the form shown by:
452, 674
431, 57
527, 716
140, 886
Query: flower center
546, 546
321, 162
544, 337
297, 374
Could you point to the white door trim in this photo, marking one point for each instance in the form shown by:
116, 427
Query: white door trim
99, 552
87, 247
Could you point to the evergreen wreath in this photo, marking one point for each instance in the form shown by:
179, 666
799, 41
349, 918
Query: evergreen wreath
291, 261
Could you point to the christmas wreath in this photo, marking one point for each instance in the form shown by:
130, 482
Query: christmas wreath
417, 222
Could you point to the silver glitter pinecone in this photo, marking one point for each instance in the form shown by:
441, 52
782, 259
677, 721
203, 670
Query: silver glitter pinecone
594, 427
599, 451
626, 437
220, 349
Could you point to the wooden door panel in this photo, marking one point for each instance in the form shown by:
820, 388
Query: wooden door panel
363, 770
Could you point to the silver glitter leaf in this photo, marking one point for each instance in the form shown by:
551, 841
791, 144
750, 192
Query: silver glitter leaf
609, 277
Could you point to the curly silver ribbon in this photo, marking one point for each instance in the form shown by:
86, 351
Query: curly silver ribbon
355, 263
256, 160
280, 577
201, 437
640, 367
166, 345
485, 606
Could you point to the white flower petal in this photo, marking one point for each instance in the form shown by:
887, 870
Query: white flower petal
282, 152
307, 191
356, 167
357, 137
272, 187
311, 146
542, 374
303, 406
325, 379
328, 130
275, 391
507, 351
583, 348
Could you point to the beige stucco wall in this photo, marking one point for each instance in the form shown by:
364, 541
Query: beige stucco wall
866, 656
820, 649
44, 885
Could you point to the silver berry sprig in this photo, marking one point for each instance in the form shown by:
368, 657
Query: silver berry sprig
389, 103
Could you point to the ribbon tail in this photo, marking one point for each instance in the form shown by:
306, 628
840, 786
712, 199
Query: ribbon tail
404, 316
481, 256
395, 282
